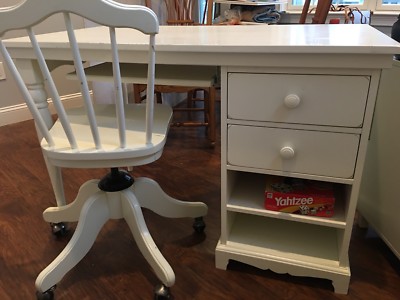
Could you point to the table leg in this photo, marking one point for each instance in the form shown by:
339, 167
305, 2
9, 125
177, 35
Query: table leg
33, 79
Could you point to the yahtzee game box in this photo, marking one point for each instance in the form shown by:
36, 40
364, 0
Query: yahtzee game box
299, 196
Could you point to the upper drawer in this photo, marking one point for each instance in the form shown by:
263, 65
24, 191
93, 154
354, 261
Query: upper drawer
334, 100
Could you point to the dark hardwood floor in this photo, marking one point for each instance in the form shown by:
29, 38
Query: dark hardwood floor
115, 269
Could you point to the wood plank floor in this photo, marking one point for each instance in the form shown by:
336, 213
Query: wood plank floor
115, 269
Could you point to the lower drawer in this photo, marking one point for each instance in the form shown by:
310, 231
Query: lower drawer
299, 151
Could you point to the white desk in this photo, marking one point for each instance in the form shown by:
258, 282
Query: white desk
333, 70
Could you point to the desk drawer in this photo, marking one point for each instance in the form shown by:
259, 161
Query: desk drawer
332, 100
299, 151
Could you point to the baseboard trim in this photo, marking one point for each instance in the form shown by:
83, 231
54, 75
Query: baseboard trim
20, 112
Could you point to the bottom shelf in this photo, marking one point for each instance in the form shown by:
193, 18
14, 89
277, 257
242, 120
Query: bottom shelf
284, 247
292, 240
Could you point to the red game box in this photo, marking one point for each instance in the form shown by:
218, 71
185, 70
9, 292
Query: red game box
299, 196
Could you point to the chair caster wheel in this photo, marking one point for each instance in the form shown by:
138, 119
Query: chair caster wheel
199, 225
59, 229
162, 292
47, 295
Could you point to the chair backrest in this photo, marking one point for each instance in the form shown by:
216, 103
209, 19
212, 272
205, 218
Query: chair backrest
103, 12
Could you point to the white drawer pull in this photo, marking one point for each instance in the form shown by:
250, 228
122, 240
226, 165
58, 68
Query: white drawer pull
291, 101
287, 152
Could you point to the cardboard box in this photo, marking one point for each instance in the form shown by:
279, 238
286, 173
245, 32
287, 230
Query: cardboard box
299, 196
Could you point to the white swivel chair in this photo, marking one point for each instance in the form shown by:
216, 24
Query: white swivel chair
101, 136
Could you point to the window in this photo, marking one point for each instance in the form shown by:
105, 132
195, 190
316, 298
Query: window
387, 5
335, 2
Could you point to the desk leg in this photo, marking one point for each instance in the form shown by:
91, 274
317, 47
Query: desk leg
33, 79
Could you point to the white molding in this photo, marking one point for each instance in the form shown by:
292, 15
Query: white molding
18, 113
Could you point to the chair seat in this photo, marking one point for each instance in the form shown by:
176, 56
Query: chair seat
136, 149
177, 75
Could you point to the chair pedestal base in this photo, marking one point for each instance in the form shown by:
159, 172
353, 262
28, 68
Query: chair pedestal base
92, 208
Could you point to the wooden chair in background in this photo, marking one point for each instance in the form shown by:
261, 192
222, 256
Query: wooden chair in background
321, 11
198, 83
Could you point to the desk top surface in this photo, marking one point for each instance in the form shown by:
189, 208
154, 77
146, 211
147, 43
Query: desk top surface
342, 38
319, 46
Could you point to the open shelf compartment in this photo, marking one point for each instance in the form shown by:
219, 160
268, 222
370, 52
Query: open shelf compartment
289, 241
247, 196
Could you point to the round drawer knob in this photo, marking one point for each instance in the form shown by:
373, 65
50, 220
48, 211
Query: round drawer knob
287, 152
291, 101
